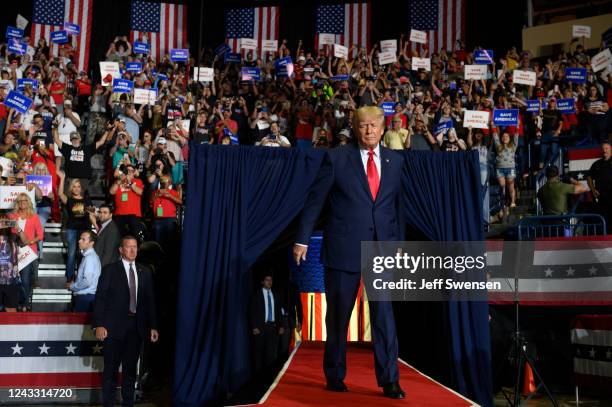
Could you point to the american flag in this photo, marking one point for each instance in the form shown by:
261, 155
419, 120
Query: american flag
443, 20
162, 25
49, 350
349, 22
579, 162
50, 15
259, 23
570, 271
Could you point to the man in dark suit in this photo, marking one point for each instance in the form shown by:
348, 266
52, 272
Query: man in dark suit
107, 243
363, 190
264, 319
124, 315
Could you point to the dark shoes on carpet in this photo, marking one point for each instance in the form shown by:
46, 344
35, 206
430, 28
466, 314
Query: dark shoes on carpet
337, 386
394, 391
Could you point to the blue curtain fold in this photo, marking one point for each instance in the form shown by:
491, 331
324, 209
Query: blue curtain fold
441, 199
241, 198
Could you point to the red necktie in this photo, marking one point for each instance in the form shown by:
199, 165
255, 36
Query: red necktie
373, 179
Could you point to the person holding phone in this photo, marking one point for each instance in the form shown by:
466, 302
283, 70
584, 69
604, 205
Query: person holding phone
275, 138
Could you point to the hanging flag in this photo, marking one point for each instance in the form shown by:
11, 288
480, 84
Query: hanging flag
349, 23
443, 20
591, 337
162, 25
50, 15
253, 23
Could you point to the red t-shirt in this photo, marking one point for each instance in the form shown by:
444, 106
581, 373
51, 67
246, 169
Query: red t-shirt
83, 87
57, 86
162, 206
127, 202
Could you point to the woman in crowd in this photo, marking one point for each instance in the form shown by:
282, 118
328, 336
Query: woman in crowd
29, 230
78, 208
505, 163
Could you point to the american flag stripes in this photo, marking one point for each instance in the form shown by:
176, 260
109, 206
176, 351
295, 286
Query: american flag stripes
49, 350
162, 25
349, 22
443, 20
258, 23
591, 337
50, 15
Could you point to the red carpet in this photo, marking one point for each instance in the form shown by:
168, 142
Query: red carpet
303, 383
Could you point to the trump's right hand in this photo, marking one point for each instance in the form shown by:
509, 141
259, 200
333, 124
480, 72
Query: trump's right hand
101, 333
299, 253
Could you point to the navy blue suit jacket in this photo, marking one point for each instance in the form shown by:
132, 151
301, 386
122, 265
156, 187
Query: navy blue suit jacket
354, 216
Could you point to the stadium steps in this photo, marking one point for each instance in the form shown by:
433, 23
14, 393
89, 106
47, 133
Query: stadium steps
507, 226
49, 293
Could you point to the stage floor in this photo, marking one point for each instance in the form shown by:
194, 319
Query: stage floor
301, 383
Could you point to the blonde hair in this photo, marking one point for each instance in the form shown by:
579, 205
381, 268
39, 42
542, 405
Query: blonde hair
369, 111
30, 210
41, 166
73, 182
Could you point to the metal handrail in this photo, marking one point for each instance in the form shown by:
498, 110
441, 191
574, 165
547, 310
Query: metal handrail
570, 225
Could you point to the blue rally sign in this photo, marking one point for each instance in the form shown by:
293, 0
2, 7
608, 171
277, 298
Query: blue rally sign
72, 29
122, 86
388, 108
14, 32
505, 117
21, 84
284, 67
576, 75
251, 74
443, 127
133, 67
141, 48
534, 105
17, 101
232, 57
15, 46
566, 105
179, 55
483, 56
59, 37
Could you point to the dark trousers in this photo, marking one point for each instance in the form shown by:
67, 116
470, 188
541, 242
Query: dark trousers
164, 231
128, 224
266, 346
122, 352
341, 289
84, 302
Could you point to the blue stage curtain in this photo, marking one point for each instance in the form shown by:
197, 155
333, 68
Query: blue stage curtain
441, 200
239, 200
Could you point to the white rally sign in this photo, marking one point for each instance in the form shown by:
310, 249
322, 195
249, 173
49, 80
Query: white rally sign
203, 74
340, 51
421, 63
601, 60
248, 43
388, 57
269, 45
476, 119
8, 195
581, 31
326, 39
418, 36
388, 45
145, 96
476, 72
524, 77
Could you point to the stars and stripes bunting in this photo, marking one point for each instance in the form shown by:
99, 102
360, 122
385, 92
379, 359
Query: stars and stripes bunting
591, 338
162, 25
50, 15
350, 23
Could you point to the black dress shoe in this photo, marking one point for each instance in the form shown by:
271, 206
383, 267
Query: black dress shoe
337, 386
394, 391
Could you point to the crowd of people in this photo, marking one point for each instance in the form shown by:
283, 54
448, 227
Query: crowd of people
309, 103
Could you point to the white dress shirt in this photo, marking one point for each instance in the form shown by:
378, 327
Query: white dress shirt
265, 295
365, 156
126, 266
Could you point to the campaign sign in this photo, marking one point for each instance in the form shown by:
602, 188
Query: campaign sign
18, 101
566, 105
340, 78
524, 77
161, 77
476, 72
483, 56
7, 166
251, 74
72, 29
387, 57
340, 51
269, 45
122, 86
14, 32
534, 105
179, 55
145, 96
476, 119
15, 46
222, 49
248, 43
59, 37
109, 71
388, 108
326, 39
203, 74
133, 66
232, 57
284, 67
418, 36
505, 117
442, 127
421, 63
602, 60
43, 182
581, 31
576, 75
21, 84
388, 45
141, 48
8, 195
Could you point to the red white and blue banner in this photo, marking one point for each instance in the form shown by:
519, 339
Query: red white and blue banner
51, 350
591, 337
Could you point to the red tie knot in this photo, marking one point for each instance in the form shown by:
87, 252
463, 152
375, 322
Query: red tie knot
371, 153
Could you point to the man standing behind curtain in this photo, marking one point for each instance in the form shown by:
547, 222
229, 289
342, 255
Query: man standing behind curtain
364, 194
265, 324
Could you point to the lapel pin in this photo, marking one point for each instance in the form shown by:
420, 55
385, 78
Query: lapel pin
386, 160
